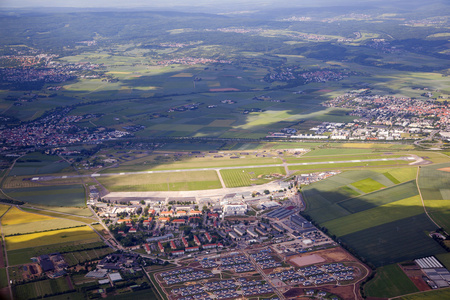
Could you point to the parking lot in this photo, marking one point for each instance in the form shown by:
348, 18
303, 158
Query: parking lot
222, 289
316, 274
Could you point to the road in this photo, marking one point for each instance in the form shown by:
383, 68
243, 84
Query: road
283, 165
264, 275
6, 256
430, 138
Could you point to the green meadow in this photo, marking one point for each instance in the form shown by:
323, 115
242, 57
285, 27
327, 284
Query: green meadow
377, 213
37, 163
173, 181
429, 295
248, 176
390, 281
65, 195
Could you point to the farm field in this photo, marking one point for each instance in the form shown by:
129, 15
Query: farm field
396, 241
22, 256
376, 216
174, 181
74, 258
434, 186
39, 226
58, 215
67, 296
24, 181
383, 233
247, 177
399, 175
40, 288
384, 196
390, 281
80, 211
49, 238
444, 259
37, 163
368, 185
430, 295
3, 278
67, 195
15, 216
337, 197
3, 209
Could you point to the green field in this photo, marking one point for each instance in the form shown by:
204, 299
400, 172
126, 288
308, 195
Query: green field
68, 296
435, 188
376, 216
23, 256
40, 288
336, 165
429, 295
49, 238
37, 163
368, 185
67, 195
174, 162
3, 278
342, 152
247, 177
396, 241
390, 281
74, 258
339, 159
387, 195
378, 225
172, 181
444, 259
337, 197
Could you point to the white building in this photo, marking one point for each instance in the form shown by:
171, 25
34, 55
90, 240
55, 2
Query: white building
234, 209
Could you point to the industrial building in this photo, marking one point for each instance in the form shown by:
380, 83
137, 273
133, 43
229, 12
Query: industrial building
281, 213
239, 230
435, 271
300, 221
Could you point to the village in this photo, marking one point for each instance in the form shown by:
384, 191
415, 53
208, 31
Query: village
384, 118
260, 241
56, 129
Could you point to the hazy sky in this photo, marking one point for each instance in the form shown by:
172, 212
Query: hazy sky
168, 3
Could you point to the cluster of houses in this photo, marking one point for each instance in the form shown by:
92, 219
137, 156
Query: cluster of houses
192, 61
377, 117
55, 129
175, 251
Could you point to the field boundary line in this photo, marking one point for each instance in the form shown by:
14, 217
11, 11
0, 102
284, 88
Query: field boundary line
35, 209
220, 178
423, 202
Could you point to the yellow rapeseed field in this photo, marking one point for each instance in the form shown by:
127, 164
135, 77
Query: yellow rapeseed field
16, 216
49, 238
3, 209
